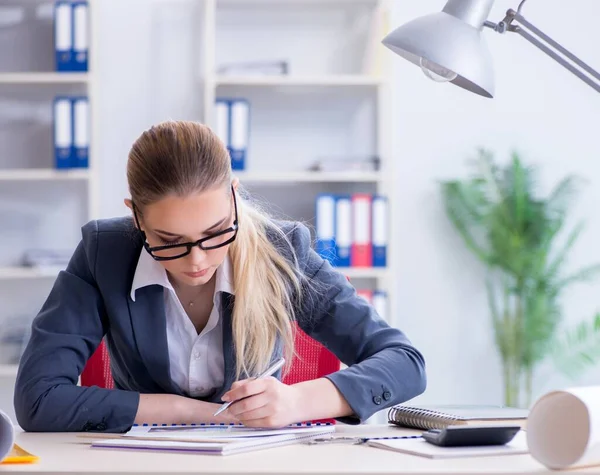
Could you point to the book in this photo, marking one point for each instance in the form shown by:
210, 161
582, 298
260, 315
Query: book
438, 417
9, 451
211, 440
420, 447
563, 429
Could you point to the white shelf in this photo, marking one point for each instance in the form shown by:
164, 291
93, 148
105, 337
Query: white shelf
309, 177
317, 81
22, 272
364, 272
283, 3
44, 174
8, 370
43, 78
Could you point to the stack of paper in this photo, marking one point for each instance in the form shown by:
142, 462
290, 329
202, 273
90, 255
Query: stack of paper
213, 440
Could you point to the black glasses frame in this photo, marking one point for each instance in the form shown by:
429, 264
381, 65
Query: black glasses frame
190, 245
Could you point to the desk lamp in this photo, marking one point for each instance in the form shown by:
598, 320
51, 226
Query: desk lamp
449, 45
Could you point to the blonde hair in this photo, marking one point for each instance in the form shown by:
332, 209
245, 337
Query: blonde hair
182, 158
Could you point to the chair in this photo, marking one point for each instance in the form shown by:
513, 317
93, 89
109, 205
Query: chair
312, 361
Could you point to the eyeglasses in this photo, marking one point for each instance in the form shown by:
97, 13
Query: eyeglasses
176, 251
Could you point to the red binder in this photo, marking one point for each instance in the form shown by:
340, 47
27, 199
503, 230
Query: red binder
362, 250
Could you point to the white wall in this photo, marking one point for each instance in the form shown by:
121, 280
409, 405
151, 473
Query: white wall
146, 74
145, 71
542, 111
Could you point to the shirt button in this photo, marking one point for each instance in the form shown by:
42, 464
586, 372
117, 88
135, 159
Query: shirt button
377, 400
387, 395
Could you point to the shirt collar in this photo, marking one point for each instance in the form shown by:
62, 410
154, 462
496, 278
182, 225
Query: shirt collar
151, 272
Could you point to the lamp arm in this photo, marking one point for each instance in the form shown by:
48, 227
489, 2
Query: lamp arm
507, 24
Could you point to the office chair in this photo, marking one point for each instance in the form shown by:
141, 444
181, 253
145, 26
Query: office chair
312, 361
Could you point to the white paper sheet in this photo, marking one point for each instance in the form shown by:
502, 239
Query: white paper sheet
424, 449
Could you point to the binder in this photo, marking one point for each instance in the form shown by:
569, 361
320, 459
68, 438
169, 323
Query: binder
222, 120
63, 132
380, 231
380, 303
343, 230
240, 131
366, 294
361, 254
325, 230
63, 36
80, 36
81, 132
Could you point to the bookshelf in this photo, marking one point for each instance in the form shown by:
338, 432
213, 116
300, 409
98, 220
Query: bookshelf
333, 101
41, 207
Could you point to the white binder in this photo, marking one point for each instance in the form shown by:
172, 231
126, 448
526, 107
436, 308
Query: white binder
380, 304
240, 131
63, 133
63, 36
81, 132
80, 36
222, 122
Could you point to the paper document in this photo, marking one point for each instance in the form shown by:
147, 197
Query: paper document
212, 440
424, 449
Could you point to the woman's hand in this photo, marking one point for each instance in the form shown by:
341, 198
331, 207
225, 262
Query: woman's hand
265, 402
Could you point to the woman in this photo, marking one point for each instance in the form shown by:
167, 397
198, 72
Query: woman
196, 294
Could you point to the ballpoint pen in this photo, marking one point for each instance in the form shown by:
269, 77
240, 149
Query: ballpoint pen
268, 372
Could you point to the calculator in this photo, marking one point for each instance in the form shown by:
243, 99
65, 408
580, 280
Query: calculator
465, 436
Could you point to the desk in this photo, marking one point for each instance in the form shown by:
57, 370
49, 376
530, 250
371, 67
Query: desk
67, 453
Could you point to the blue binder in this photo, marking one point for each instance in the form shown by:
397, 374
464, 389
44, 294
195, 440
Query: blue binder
80, 36
63, 132
223, 122
380, 230
343, 230
239, 127
325, 229
81, 132
63, 36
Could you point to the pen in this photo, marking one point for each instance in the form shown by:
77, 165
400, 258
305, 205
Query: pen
268, 372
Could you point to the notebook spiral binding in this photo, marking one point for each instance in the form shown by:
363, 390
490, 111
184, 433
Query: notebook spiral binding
419, 418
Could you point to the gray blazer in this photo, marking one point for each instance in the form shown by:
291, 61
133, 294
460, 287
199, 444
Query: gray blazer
91, 300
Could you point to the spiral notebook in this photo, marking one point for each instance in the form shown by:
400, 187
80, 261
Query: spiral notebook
438, 417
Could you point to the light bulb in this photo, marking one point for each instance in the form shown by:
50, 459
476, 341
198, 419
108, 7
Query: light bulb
436, 72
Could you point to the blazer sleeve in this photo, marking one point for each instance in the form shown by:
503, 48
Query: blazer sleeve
64, 334
384, 368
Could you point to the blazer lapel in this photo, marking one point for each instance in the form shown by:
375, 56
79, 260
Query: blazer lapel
149, 329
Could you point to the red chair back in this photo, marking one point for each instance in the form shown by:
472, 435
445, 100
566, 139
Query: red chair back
312, 361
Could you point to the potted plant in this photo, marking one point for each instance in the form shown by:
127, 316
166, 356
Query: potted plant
515, 233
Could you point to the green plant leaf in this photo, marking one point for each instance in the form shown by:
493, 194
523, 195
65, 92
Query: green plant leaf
578, 348
582, 275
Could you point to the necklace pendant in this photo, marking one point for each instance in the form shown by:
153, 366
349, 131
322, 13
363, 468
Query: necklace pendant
191, 304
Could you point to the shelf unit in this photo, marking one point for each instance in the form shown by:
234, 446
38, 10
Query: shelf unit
39, 174
8, 370
22, 272
44, 78
228, 34
309, 177
37, 198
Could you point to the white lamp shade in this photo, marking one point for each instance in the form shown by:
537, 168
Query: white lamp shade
450, 43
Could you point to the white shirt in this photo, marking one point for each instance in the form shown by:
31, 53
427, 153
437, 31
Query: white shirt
196, 361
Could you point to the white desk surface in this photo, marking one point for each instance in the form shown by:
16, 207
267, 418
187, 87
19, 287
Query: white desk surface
68, 453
